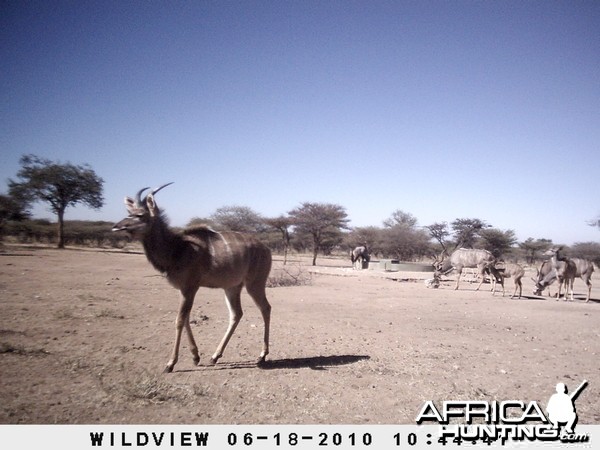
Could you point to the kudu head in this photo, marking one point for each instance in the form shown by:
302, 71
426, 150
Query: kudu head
495, 268
540, 285
141, 213
541, 280
554, 251
439, 262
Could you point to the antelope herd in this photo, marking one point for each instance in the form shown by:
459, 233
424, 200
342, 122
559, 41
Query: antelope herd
558, 268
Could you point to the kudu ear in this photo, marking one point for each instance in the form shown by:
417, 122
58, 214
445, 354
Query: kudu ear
151, 204
129, 204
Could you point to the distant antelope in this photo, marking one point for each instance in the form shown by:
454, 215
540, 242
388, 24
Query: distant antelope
584, 270
359, 255
502, 270
461, 258
561, 269
200, 257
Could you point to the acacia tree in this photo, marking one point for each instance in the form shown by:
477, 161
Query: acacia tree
439, 232
532, 247
467, 230
402, 239
405, 244
371, 237
59, 185
321, 221
238, 218
282, 224
402, 219
497, 242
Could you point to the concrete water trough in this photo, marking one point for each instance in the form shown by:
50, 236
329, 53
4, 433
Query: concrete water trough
394, 265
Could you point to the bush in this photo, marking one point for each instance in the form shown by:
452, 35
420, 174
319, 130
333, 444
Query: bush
77, 232
289, 276
586, 250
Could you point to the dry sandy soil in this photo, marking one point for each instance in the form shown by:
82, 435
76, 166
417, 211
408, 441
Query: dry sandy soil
85, 335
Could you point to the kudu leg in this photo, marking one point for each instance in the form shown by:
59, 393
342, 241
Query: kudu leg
234, 304
192, 342
259, 296
480, 283
560, 284
482, 276
495, 282
458, 278
519, 286
571, 282
589, 285
183, 321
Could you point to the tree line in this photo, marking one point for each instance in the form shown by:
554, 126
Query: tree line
318, 228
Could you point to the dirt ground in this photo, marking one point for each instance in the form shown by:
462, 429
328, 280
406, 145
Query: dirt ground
85, 335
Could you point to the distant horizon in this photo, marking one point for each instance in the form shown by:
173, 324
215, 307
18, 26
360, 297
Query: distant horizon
84, 217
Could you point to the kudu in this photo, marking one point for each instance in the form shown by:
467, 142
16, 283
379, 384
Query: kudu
541, 273
584, 270
546, 274
501, 270
359, 256
556, 268
200, 257
461, 258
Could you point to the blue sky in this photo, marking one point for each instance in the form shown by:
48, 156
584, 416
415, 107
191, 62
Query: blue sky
443, 109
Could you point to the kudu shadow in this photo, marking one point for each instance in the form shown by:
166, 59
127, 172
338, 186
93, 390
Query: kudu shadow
576, 298
311, 362
528, 297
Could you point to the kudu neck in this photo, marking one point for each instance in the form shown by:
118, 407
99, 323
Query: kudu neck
160, 244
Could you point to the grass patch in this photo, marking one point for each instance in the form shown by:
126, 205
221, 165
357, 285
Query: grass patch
64, 314
6, 347
92, 298
155, 389
109, 314
77, 364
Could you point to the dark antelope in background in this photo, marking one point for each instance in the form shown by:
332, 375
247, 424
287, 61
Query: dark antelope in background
360, 255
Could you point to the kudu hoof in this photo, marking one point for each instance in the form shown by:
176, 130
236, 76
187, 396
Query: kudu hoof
214, 359
261, 361
168, 369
